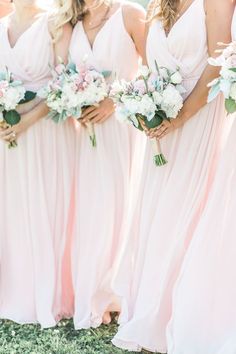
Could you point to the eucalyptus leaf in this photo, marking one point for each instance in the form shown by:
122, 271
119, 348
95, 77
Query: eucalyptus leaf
230, 105
71, 66
106, 73
213, 93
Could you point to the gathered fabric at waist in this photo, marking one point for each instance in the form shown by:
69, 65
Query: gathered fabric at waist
189, 83
37, 85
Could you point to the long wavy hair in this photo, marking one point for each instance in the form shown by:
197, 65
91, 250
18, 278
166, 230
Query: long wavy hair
164, 10
65, 11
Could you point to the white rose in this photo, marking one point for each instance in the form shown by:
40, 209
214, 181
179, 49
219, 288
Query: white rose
233, 91
176, 78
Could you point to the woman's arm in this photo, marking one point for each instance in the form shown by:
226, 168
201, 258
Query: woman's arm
218, 22
135, 23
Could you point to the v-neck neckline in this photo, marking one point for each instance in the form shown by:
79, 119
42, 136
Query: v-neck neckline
167, 35
23, 33
91, 45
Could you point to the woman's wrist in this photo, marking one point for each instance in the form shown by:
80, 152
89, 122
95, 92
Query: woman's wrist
183, 116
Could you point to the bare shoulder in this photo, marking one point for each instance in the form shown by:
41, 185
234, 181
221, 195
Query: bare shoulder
133, 10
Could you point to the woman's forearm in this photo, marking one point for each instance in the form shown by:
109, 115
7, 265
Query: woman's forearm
37, 113
198, 97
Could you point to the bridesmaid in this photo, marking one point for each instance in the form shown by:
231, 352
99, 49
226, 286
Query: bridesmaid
170, 198
36, 177
204, 312
111, 35
5, 7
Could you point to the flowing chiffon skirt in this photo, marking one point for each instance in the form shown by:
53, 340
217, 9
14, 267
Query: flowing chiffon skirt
37, 180
204, 311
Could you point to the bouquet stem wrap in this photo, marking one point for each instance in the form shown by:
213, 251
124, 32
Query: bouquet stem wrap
91, 132
159, 158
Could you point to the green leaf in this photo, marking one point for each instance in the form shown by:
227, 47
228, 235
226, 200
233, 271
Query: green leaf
156, 120
230, 105
11, 117
106, 73
29, 96
233, 69
71, 67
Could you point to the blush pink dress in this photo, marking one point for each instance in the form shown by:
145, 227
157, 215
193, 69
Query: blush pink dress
170, 199
37, 180
204, 311
103, 175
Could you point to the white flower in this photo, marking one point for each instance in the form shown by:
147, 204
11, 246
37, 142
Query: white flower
12, 96
157, 98
233, 91
144, 71
216, 61
147, 107
164, 73
176, 78
172, 102
227, 74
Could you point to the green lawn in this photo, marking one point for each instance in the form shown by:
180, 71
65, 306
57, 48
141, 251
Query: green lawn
63, 339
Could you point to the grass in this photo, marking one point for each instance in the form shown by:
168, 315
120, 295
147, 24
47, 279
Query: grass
63, 339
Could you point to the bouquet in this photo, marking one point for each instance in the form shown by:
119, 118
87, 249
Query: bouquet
226, 82
149, 99
72, 89
12, 93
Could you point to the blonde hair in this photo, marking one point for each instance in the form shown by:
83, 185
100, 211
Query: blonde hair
69, 11
165, 10
65, 11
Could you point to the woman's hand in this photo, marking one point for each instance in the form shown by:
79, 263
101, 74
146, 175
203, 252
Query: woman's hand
11, 133
166, 127
100, 113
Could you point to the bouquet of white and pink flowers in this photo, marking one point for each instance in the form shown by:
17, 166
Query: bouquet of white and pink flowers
149, 99
12, 94
72, 89
226, 82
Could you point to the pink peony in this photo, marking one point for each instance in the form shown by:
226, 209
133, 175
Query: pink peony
140, 87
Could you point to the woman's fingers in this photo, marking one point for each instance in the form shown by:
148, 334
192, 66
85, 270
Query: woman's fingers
88, 110
99, 118
90, 116
9, 137
5, 132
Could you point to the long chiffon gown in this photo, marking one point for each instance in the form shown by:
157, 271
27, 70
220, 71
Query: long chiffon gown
36, 186
170, 199
103, 175
204, 311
